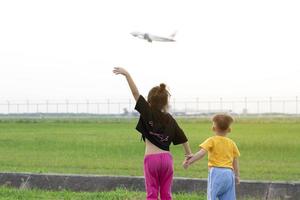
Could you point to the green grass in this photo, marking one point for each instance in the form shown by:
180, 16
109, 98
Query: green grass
119, 194
269, 148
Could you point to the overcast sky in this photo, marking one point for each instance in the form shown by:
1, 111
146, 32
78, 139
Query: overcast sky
67, 49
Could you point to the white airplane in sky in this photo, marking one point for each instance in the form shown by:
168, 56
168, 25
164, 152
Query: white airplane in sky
150, 37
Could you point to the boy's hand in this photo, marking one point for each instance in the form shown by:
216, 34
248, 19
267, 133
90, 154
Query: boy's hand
120, 70
237, 180
185, 164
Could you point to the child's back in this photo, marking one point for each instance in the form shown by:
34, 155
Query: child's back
221, 151
158, 129
222, 160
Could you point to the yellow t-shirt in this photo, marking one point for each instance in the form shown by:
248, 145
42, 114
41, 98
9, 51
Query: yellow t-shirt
221, 151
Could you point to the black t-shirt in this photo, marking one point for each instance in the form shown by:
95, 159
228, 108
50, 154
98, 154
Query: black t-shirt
159, 128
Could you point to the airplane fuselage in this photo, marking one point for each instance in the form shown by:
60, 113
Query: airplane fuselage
150, 37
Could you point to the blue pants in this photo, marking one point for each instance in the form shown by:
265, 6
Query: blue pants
221, 184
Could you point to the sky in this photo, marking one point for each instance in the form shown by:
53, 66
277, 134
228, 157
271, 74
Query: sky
63, 49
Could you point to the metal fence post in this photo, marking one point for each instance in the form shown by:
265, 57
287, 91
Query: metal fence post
129, 105
47, 105
67, 106
270, 105
98, 108
27, 104
208, 106
8, 107
87, 106
221, 104
108, 106
296, 105
197, 106
246, 105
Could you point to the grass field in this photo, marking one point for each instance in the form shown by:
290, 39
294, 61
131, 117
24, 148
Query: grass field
119, 194
269, 148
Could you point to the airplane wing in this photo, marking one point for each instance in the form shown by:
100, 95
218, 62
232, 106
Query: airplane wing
161, 39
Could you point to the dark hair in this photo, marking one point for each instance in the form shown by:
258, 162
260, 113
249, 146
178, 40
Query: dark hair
158, 97
222, 121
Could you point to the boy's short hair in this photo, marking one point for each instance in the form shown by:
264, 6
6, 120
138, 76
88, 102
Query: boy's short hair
222, 121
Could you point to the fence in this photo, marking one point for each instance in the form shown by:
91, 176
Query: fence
195, 106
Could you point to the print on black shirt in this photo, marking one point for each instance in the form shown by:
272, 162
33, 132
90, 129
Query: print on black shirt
151, 127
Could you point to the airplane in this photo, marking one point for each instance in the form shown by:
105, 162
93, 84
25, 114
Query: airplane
150, 37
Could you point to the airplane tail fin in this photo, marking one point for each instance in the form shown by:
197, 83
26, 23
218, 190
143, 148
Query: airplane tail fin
173, 34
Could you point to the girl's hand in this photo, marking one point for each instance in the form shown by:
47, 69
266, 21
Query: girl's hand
120, 70
189, 156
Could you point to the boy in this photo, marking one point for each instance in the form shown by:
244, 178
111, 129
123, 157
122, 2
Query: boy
222, 160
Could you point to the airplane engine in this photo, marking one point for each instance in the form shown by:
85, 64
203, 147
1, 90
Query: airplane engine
147, 37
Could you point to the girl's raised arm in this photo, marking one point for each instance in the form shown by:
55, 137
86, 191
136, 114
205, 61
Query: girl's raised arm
133, 88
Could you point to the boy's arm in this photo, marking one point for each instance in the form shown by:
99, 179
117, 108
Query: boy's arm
236, 170
197, 156
133, 88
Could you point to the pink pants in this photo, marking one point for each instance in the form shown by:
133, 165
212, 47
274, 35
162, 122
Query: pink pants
158, 171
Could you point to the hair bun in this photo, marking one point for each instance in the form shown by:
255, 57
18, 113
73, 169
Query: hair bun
162, 87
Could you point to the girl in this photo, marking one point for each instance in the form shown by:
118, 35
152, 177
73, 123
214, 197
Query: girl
158, 129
